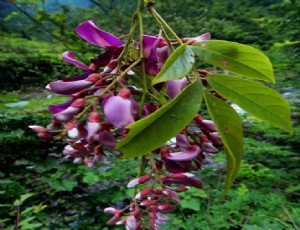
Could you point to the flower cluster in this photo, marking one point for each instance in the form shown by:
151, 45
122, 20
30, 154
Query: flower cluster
103, 100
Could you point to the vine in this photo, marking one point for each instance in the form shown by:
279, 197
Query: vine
142, 100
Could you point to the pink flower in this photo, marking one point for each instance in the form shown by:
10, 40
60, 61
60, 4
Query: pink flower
92, 34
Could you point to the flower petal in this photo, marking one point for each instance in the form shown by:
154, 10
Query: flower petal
189, 181
186, 155
174, 167
69, 87
69, 57
118, 111
92, 34
60, 107
202, 37
131, 223
174, 87
107, 139
182, 141
148, 45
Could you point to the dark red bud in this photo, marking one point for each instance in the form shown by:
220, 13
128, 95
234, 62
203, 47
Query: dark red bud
198, 118
45, 136
144, 178
203, 72
124, 93
94, 117
93, 77
146, 191
78, 103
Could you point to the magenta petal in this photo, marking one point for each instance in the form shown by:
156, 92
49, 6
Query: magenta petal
187, 155
66, 115
107, 139
70, 87
162, 55
182, 141
190, 181
92, 128
69, 57
173, 195
118, 111
148, 45
202, 37
92, 34
60, 107
151, 67
209, 148
174, 87
134, 107
78, 77
131, 223
173, 167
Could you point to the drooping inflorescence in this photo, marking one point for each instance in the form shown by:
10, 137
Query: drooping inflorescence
108, 96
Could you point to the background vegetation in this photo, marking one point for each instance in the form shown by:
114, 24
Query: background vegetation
41, 190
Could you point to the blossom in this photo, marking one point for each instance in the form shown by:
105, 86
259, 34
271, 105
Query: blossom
73, 85
156, 52
174, 87
120, 110
92, 34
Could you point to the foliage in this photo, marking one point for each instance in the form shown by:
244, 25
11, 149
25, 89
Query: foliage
266, 193
27, 63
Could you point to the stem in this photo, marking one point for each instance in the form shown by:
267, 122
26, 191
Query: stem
163, 22
152, 160
165, 35
141, 26
17, 218
142, 166
108, 88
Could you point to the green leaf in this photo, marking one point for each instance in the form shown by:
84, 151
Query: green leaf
26, 211
191, 203
156, 129
229, 127
23, 198
64, 185
237, 58
177, 65
38, 208
255, 98
30, 226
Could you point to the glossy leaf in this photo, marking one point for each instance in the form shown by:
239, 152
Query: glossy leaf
177, 65
237, 58
156, 129
229, 127
23, 198
255, 98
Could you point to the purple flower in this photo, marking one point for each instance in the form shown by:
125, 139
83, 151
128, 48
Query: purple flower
202, 37
60, 107
156, 52
182, 141
118, 111
185, 155
68, 114
67, 87
107, 139
174, 87
92, 34
131, 223
187, 179
69, 57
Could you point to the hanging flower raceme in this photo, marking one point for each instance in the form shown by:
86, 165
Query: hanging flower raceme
109, 95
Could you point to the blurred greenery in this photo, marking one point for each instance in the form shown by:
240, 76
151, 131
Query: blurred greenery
33, 35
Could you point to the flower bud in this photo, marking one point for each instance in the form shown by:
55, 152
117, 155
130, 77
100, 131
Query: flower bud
110, 210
